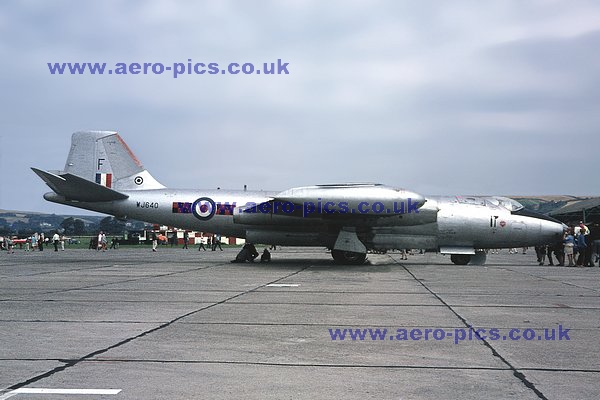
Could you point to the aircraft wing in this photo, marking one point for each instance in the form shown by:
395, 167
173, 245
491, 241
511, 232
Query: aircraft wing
73, 187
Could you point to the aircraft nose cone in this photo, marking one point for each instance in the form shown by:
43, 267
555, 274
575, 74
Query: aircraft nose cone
552, 231
411, 197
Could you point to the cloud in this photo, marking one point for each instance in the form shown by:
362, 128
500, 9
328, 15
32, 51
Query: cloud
439, 98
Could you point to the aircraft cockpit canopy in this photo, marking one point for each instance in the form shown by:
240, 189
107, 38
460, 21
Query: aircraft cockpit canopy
494, 201
508, 203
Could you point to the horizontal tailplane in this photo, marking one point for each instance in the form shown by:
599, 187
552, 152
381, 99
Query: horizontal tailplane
72, 187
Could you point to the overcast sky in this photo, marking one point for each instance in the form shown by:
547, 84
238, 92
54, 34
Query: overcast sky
440, 97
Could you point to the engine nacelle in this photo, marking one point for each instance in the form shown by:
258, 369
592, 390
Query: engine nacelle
255, 215
344, 197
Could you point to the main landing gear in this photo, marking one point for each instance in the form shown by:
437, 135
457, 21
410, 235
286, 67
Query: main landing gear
348, 257
474, 259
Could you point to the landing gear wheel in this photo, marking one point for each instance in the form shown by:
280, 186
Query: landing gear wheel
479, 258
460, 259
348, 257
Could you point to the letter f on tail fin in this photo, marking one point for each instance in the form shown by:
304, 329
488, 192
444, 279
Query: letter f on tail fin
99, 166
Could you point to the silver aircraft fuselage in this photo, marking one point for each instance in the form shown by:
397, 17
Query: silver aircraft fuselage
441, 223
102, 174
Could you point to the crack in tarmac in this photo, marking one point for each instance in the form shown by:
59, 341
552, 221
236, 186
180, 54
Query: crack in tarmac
91, 357
516, 372
73, 362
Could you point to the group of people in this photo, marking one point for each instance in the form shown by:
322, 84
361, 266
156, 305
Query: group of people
576, 248
37, 241
100, 242
7, 243
212, 242
249, 254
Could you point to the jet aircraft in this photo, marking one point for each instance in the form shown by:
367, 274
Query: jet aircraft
102, 174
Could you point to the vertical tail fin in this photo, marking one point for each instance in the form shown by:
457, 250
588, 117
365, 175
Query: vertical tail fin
104, 158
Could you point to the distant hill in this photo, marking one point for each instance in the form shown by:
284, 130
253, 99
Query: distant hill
547, 204
26, 222
12, 216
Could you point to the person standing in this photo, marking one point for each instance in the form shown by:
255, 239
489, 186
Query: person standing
34, 238
540, 251
403, 255
569, 242
34, 241
10, 246
559, 252
202, 246
154, 241
186, 239
41, 242
62, 242
217, 242
587, 251
581, 247
56, 240
104, 242
549, 250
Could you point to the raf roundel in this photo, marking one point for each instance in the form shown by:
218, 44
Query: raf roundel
204, 208
138, 180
